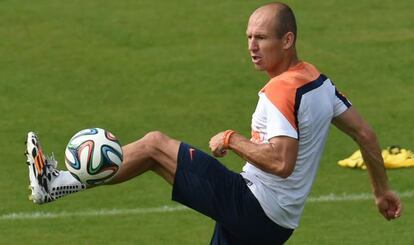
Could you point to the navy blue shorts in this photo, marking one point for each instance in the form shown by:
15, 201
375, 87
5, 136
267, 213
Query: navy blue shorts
207, 186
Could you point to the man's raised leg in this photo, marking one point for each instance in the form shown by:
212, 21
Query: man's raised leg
155, 151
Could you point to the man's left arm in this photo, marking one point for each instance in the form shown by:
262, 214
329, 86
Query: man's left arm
278, 157
350, 122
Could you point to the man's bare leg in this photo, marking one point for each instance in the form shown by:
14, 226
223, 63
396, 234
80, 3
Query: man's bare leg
155, 151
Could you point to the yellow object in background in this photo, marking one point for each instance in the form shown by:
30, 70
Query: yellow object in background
394, 157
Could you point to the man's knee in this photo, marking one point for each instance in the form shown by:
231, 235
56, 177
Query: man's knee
163, 150
155, 138
155, 141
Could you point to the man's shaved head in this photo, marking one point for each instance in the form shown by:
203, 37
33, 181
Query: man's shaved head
271, 35
283, 16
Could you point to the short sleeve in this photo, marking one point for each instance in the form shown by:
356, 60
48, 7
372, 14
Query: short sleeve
341, 103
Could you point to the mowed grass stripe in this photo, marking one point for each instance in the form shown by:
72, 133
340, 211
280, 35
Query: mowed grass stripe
166, 209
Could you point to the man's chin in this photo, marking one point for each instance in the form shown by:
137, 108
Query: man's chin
259, 67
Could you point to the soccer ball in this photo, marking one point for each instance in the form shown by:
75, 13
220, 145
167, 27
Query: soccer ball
93, 156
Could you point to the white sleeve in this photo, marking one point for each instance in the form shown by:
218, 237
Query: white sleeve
341, 103
277, 123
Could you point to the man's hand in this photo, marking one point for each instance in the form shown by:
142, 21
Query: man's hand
389, 205
216, 145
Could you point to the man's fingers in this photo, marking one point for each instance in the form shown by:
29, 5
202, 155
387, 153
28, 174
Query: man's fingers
397, 210
389, 205
392, 211
390, 214
219, 152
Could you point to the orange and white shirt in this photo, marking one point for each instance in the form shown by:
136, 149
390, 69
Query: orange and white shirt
299, 103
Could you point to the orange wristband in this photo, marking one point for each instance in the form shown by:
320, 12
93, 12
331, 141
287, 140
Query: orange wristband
226, 138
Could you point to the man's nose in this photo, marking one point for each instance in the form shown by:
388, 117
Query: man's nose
253, 45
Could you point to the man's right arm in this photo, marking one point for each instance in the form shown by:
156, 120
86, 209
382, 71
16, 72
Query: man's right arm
351, 123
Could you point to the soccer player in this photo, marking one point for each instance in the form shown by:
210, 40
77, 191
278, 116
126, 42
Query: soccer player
263, 204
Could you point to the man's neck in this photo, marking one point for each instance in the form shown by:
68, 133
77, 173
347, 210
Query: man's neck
284, 66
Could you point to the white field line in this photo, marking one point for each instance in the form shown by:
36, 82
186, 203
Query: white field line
166, 209
91, 212
351, 197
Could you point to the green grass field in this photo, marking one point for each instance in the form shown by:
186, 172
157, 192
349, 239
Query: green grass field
182, 67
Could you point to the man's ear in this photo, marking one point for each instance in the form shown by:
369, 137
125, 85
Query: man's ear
288, 40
